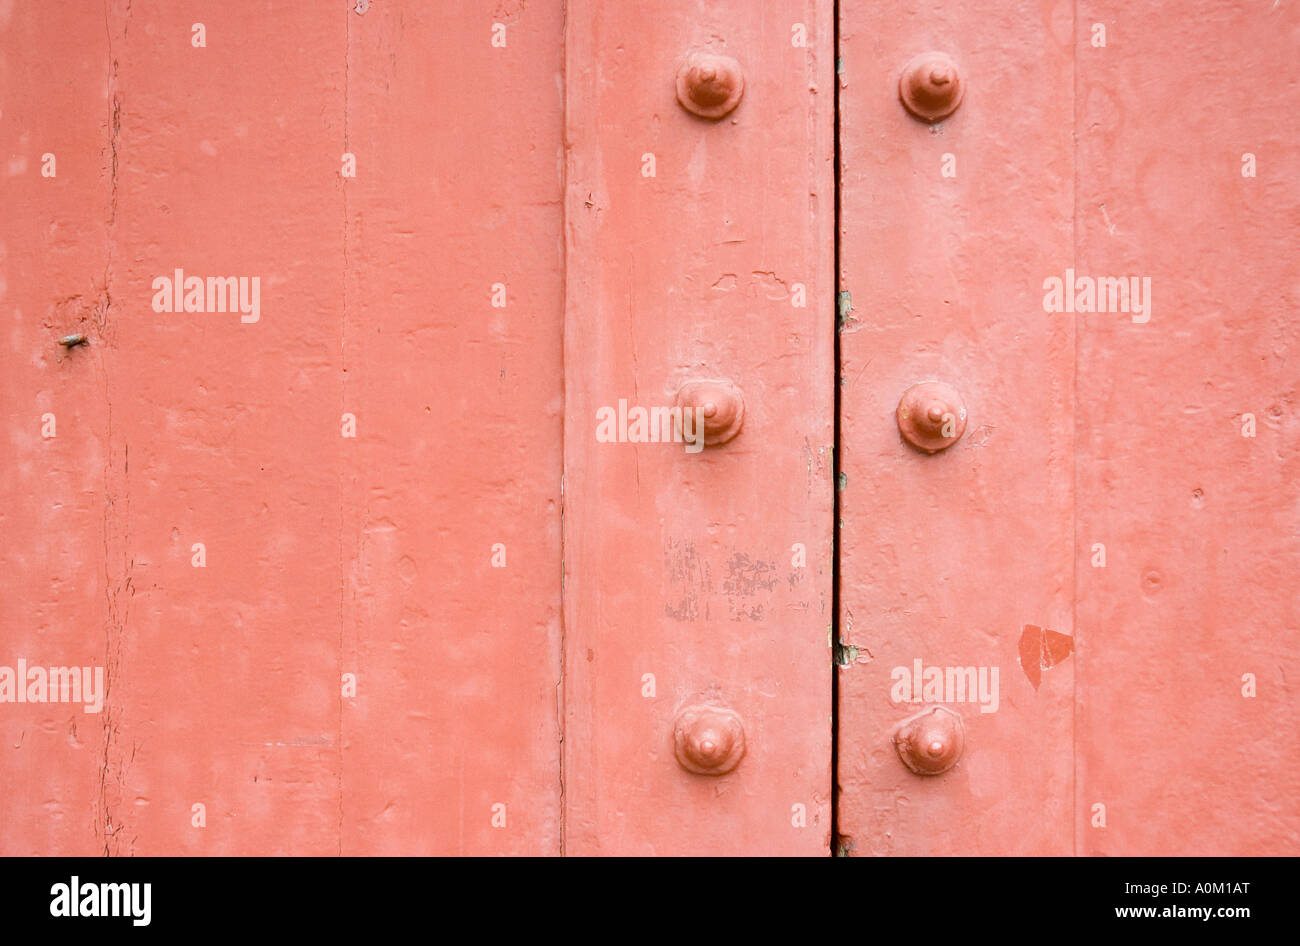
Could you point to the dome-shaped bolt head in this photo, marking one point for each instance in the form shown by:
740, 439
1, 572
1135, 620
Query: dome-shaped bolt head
931, 88
931, 416
708, 739
718, 404
930, 743
710, 85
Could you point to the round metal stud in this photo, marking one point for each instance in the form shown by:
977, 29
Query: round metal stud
710, 85
931, 87
931, 416
931, 743
720, 404
708, 739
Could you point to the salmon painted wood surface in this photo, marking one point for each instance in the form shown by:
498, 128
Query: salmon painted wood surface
667, 428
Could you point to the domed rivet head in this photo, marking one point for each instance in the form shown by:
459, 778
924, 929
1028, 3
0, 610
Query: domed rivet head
931, 416
931, 742
718, 405
710, 85
708, 739
931, 87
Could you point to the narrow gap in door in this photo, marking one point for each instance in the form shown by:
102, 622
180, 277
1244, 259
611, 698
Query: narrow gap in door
836, 464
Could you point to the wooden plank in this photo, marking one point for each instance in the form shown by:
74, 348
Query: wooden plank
55, 518
948, 559
1193, 500
682, 580
455, 574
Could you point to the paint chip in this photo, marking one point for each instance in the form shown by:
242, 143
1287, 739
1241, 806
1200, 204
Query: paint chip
1041, 650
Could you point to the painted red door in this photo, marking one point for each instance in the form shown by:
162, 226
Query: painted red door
422, 425
1075, 621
